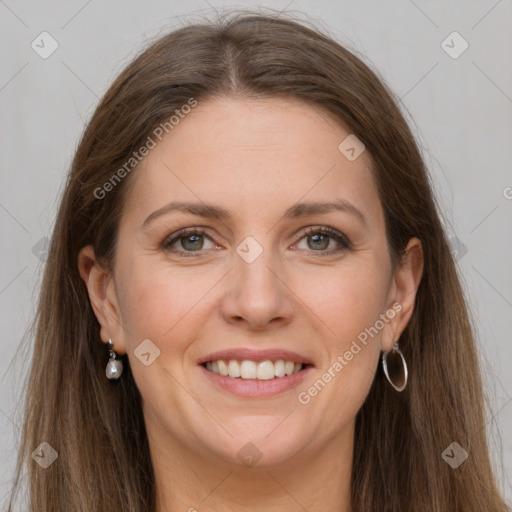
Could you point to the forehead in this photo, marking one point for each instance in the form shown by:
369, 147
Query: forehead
254, 156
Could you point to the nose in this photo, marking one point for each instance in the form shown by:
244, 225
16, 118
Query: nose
257, 294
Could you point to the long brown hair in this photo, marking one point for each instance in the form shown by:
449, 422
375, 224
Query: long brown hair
98, 429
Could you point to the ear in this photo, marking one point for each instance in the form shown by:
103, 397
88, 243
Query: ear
405, 282
102, 294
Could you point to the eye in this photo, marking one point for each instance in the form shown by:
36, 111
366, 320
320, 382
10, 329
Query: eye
188, 241
318, 239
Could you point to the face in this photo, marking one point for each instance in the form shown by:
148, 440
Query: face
249, 270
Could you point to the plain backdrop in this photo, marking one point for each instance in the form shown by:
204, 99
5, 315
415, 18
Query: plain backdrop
457, 99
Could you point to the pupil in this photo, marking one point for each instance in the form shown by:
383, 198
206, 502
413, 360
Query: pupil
194, 238
325, 239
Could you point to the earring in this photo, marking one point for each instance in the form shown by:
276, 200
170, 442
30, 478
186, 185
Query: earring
396, 354
114, 367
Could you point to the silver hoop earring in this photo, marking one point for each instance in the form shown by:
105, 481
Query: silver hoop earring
393, 367
114, 367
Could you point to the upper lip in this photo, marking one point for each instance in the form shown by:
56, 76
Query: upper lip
272, 354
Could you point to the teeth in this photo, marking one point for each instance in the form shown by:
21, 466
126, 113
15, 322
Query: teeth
233, 369
279, 368
265, 370
223, 368
246, 369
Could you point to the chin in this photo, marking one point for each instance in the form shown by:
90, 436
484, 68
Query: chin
269, 445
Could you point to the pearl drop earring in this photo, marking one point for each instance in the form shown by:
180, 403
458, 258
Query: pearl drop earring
114, 367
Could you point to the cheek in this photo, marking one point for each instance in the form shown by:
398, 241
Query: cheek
152, 301
349, 304
162, 307
347, 300
164, 304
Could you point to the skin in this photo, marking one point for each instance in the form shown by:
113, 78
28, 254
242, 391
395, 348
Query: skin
256, 158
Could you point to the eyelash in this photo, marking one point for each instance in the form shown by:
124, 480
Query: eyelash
325, 230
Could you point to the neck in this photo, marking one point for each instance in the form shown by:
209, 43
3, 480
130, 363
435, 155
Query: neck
199, 481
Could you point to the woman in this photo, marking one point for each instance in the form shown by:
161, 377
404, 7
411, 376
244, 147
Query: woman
249, 301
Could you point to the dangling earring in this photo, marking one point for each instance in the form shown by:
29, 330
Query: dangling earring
114, 367
396, 355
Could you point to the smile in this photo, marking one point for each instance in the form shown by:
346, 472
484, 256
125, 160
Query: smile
248, 369
255, 380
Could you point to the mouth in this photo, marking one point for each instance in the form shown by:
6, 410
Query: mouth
247, 369
255, 374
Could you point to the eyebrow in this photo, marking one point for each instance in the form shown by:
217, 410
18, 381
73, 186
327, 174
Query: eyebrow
298, 210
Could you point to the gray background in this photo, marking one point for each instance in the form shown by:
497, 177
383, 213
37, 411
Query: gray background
460, 109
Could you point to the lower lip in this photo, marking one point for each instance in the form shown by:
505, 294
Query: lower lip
254, 388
